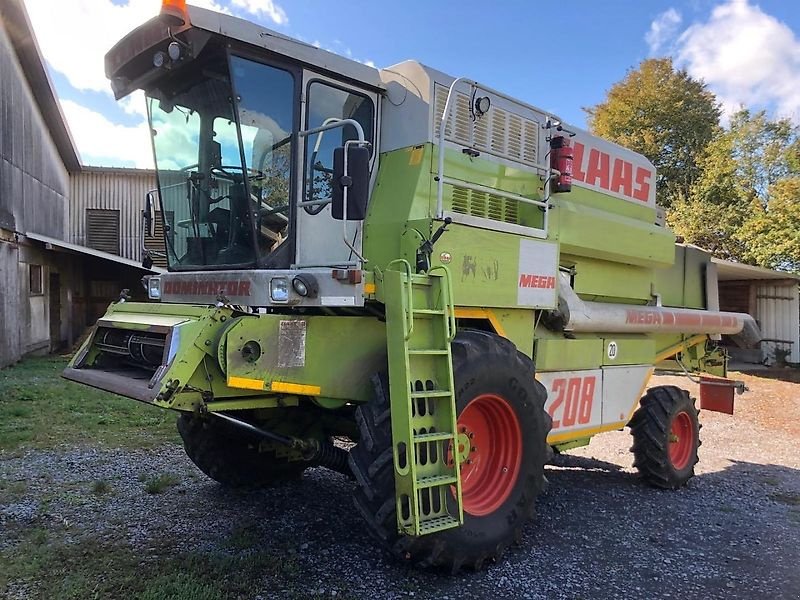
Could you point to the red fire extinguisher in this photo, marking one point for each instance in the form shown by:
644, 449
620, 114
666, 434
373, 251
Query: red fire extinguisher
561, 155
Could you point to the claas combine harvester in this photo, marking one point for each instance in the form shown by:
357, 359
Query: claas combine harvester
452, 279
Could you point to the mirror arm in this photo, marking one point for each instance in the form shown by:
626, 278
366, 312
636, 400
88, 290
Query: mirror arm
346, 182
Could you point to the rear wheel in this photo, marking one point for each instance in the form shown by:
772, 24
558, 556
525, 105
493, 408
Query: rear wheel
666, 436
502, 432
231, 456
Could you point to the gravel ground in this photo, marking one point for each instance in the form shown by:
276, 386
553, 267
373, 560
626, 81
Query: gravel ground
733, 532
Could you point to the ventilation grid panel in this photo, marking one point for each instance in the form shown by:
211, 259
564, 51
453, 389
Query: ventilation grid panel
501, 131
482, 204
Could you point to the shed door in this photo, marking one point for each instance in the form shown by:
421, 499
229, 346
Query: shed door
778, 310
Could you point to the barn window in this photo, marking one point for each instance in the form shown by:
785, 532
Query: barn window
102, 230
36, 280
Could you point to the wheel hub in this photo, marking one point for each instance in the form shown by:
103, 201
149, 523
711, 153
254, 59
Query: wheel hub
681, 440
489, 451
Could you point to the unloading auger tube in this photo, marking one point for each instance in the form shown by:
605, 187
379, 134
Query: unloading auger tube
600, 317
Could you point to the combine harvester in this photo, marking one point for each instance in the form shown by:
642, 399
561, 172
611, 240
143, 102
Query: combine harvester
447, 276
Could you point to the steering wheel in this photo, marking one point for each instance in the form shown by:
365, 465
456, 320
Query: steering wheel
222, 172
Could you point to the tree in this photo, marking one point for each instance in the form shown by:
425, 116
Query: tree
745, 204
771, 234
664, 114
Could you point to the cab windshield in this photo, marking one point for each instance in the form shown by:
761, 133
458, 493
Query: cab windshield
224, 163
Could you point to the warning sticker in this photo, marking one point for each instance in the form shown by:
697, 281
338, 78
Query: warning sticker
538, 270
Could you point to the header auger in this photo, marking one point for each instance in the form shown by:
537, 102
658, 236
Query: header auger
449, 277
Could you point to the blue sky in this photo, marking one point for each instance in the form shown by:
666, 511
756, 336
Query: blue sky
559, 56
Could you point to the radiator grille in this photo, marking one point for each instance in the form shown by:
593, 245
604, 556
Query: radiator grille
485, 205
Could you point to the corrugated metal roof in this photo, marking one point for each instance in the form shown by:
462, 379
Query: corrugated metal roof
96, 253
730, 271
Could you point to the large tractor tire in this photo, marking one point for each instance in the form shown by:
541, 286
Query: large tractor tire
666, 436
230, 455
500, 402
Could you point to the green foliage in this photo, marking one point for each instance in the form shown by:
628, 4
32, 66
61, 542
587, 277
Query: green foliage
63, 563
745, 206
709, 225
772, 234
40, 409
100, 487
160, 483
664, 114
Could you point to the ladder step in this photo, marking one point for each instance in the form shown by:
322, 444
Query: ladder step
431, 394
437, 524
428, 311
428, 352
436, 480
433, 437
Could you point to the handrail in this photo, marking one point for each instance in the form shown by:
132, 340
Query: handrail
409, 316
451, 311
334, 123
444, 122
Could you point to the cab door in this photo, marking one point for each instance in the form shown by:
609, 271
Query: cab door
320, 240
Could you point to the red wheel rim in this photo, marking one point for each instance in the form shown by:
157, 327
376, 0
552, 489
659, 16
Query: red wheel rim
489, 427
681, 440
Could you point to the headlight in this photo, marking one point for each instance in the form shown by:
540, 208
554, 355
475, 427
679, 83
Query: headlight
154, 288
279, 289
305, 285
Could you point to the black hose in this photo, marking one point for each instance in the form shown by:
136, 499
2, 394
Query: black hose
333, 458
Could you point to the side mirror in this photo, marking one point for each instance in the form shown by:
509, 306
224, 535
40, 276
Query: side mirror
356, 181
147, 216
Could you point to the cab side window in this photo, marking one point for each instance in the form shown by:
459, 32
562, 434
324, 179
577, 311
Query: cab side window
326, 104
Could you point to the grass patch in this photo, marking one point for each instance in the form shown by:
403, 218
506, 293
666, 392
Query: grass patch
92, 567
790, 499
101, 487
160, 483
39, 409
12, 490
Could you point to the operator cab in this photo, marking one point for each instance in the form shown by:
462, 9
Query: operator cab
244, 139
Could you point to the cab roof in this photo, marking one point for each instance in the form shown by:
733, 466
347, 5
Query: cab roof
256, 35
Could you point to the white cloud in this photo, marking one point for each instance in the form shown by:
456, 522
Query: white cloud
93, 27
104, 143
266, 8
663, 30
747, 57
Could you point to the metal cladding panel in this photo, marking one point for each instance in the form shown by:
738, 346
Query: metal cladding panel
122, 190
778, 314
33, 180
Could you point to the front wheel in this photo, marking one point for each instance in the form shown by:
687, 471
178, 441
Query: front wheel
500, 409
666, 436
231, 456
